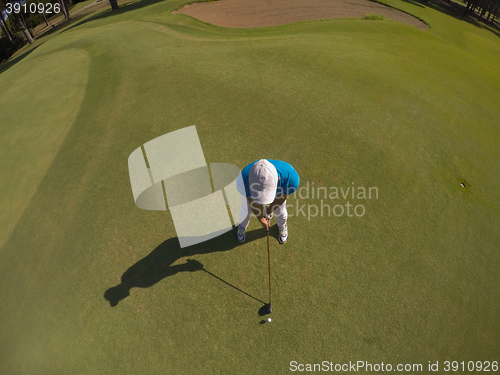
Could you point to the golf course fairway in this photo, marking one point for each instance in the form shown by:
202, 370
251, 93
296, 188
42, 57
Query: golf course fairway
350, 103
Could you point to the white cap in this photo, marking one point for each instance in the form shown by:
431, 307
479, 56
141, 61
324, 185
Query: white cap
263, 182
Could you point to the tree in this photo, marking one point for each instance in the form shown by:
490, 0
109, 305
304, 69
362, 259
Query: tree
114, 4
4, 28
489, 7
484, 6
470, 7
26, 25
64, 9
23, 27
19, 21
44, 16
494, 11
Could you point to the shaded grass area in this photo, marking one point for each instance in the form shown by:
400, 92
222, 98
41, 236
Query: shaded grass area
348, 103
30, 138
454, 9
18, 56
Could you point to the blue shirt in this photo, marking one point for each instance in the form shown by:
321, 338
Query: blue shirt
288, 181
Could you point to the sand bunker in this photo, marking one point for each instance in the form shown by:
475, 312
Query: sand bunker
260, 13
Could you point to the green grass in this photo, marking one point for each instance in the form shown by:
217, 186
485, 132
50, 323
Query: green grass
80, 5
375, 17
411, 112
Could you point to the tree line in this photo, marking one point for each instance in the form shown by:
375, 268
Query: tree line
12, 22
17, 26
485, 8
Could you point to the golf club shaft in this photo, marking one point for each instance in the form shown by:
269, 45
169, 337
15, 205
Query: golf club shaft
269, 264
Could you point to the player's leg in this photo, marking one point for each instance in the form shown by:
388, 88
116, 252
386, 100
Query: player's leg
245, 214
281, 214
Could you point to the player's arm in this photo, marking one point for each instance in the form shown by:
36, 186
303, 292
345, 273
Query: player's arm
278, 201
258, 211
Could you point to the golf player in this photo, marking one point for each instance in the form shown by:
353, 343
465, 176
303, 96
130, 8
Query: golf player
267, 184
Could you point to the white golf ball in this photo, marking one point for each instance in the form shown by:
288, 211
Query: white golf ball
269, 320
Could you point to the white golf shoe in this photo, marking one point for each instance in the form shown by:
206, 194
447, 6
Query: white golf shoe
283, 237
240, 234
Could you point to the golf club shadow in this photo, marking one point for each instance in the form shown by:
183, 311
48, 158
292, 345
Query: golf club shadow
158, 264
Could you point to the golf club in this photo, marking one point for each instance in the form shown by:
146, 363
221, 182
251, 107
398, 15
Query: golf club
267, 308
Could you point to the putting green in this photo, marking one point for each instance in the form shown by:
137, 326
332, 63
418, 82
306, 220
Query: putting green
346, 102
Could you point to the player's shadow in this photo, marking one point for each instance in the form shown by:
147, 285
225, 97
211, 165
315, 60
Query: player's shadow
158, 264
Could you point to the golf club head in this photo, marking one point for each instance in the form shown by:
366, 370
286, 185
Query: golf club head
265, 309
